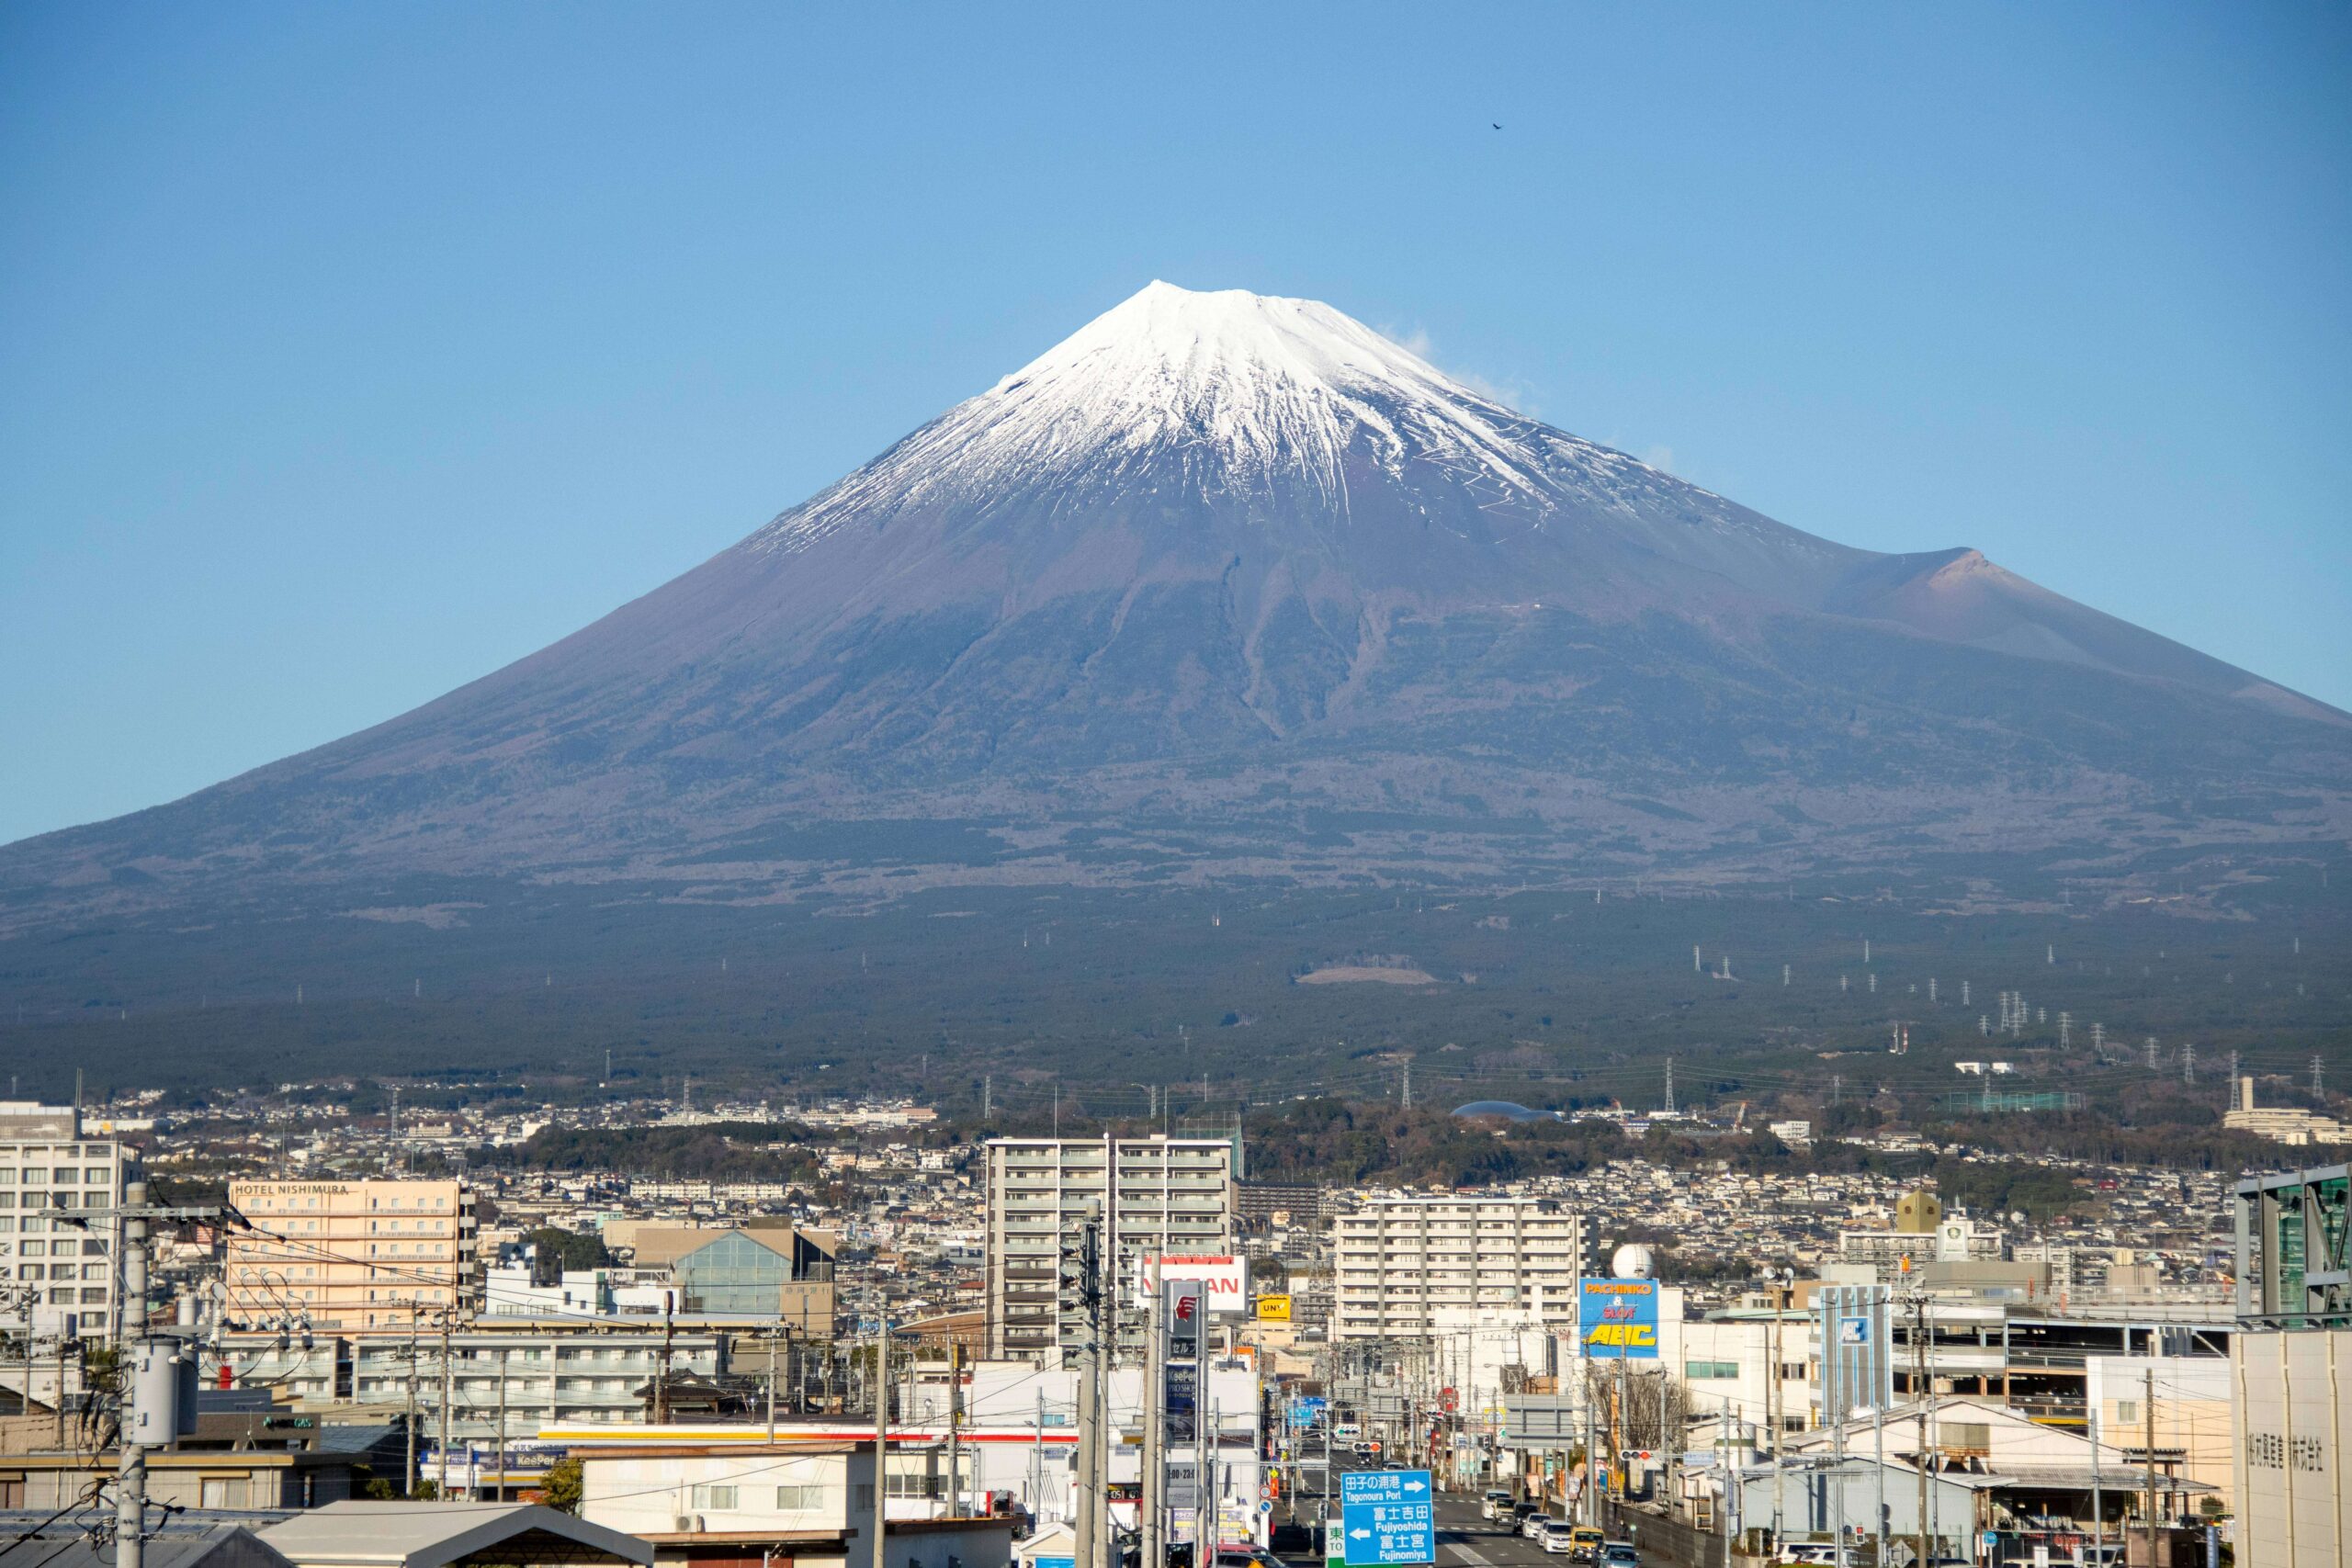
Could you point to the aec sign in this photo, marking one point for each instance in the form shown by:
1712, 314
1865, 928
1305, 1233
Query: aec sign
1225, 1278
1618, 1318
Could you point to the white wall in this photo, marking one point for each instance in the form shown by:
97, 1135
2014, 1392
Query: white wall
647, 1494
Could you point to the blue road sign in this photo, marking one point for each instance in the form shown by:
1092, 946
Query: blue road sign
1384, 1517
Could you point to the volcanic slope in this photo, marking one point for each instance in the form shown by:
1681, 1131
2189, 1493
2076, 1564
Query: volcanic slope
1229, 586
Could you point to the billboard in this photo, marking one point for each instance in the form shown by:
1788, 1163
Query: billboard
1617, 1319
1273, 1309
1223, 1275
1181, 1310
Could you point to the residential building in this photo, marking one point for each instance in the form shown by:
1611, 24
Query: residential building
808, 1502
2176, 1408
1156, 1195
59, 1191
539, 1378
356, 1256
1412, 1266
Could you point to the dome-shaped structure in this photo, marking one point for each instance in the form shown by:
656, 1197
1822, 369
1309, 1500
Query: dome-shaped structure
1510, 1109
1633, 1261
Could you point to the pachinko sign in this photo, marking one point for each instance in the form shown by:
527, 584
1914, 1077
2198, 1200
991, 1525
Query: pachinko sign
1618, 1318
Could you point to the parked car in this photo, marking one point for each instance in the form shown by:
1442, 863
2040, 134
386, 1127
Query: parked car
1557, 1537
1619, 1554
1496, 1505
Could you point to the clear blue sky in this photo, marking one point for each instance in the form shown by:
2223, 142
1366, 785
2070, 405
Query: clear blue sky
353, 351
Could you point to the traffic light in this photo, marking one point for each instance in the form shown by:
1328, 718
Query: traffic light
1079, 1280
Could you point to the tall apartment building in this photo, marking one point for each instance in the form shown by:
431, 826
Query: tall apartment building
1410, 1268
358, 1256
59, 1267
1158, 1195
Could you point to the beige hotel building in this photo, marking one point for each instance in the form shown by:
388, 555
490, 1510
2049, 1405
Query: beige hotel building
358, 1256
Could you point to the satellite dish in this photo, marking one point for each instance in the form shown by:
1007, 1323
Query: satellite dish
1633, 1261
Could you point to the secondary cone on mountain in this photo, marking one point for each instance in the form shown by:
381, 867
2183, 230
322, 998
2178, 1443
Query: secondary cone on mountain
1240, 565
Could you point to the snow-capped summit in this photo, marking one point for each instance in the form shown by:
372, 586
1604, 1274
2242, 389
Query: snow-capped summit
1217, 396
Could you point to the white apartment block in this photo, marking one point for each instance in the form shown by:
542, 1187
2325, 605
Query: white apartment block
356, 1256
1159, 1194
59, 1191
1413, 1268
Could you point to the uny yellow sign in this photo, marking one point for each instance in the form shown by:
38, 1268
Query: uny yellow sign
1273, 1309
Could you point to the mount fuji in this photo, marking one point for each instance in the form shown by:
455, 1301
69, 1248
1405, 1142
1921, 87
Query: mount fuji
1229, 587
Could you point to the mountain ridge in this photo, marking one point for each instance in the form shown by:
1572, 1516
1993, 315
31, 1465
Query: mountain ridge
1217, 556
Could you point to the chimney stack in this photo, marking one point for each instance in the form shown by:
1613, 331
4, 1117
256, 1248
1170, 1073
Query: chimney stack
2245, 1092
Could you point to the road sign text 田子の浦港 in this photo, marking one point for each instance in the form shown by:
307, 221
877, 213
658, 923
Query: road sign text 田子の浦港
1386, 1517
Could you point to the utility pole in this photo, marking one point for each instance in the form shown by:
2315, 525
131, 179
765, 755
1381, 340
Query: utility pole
441, 1488
954, 1426
501, 1421
1918, 1393
131, 1478
138, 1429
408, 1480
771, 1385
881, 1438
661, 1378
1153, 1503
2148, 1412
2099, 1499
1090, 1468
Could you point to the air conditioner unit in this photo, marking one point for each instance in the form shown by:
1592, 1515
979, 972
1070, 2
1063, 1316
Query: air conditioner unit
686, 1524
